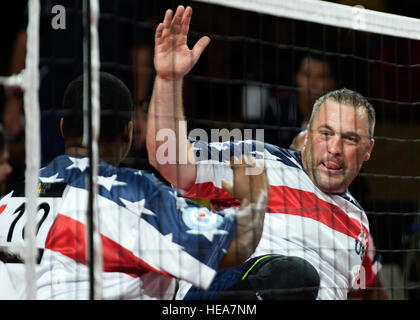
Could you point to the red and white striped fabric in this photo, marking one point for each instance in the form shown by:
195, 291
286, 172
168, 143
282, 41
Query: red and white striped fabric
330, 231
150, 235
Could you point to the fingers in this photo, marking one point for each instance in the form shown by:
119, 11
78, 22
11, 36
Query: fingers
186, 19
173, 24
163, 29
244, 161
167, 20
199, 47
158, 34
176, 21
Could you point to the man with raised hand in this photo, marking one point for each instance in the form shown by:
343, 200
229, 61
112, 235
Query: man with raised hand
315, 233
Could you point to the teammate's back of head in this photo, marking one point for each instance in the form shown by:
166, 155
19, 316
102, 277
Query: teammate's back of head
115, 103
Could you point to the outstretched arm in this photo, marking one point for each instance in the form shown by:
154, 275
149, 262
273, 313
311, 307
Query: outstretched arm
166, 127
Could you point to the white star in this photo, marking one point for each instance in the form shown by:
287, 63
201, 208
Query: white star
137, 207
268, 156
6, 197
169, 237
51, 179
138, 173
180, 202
293, 160
80, 164
209, 234
109, 182
133, 206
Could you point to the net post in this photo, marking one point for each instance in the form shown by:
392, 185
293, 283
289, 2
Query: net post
30, 86
91, 123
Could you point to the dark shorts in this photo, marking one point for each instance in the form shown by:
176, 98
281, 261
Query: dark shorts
269, 277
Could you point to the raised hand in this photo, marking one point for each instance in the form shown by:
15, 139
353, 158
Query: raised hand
173, 59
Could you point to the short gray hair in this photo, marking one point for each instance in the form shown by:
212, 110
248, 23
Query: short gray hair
350, 98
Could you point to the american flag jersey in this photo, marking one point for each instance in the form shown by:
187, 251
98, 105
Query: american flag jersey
150, 235
331, 231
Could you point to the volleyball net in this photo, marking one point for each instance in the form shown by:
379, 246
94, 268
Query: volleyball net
266, 65
261, 51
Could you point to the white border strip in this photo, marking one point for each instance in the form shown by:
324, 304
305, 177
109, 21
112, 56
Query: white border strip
331, 14
95, 60
30, 84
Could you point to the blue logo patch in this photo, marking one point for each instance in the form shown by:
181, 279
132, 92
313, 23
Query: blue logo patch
201, 219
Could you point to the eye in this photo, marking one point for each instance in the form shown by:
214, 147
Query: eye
352, 139
326, 133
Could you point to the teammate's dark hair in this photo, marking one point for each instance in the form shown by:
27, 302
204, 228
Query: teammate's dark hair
115, 103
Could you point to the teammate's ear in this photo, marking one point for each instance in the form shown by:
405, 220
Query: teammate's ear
127, 135
62, 128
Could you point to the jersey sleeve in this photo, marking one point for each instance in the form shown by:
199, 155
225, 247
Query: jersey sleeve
183, 239
213, 166
371, 263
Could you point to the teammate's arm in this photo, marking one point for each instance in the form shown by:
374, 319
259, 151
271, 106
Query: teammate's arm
250, 216
172, 60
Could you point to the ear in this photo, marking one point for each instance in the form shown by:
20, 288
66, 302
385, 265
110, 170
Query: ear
369, 151
62, 128
127, 134
305, 138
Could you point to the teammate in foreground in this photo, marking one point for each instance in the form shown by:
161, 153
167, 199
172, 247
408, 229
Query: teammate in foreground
315, 233
149, 234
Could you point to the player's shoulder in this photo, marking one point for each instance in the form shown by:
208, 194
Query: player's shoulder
223, 151
349, 197
142, 181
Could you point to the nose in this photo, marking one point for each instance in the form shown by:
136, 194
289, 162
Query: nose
335, 145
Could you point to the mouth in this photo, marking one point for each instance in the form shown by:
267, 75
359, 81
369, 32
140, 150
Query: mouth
332, 167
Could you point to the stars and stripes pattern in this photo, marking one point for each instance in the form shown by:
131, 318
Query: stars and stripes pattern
328, 230
150, 235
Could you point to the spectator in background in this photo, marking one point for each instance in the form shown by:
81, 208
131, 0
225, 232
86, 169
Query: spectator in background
287, 114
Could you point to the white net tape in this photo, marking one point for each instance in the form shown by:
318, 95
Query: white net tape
30, 85
331, 14
95, 61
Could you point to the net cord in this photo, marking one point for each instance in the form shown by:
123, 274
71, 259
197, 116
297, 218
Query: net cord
30, 86
332, 14
28, 81
91, 131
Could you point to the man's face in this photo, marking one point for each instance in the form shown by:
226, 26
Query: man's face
336, 145
5, 168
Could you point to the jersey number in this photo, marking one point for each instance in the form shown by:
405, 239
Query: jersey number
45, 207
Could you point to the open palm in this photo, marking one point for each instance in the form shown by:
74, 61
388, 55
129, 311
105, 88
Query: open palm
173, 59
